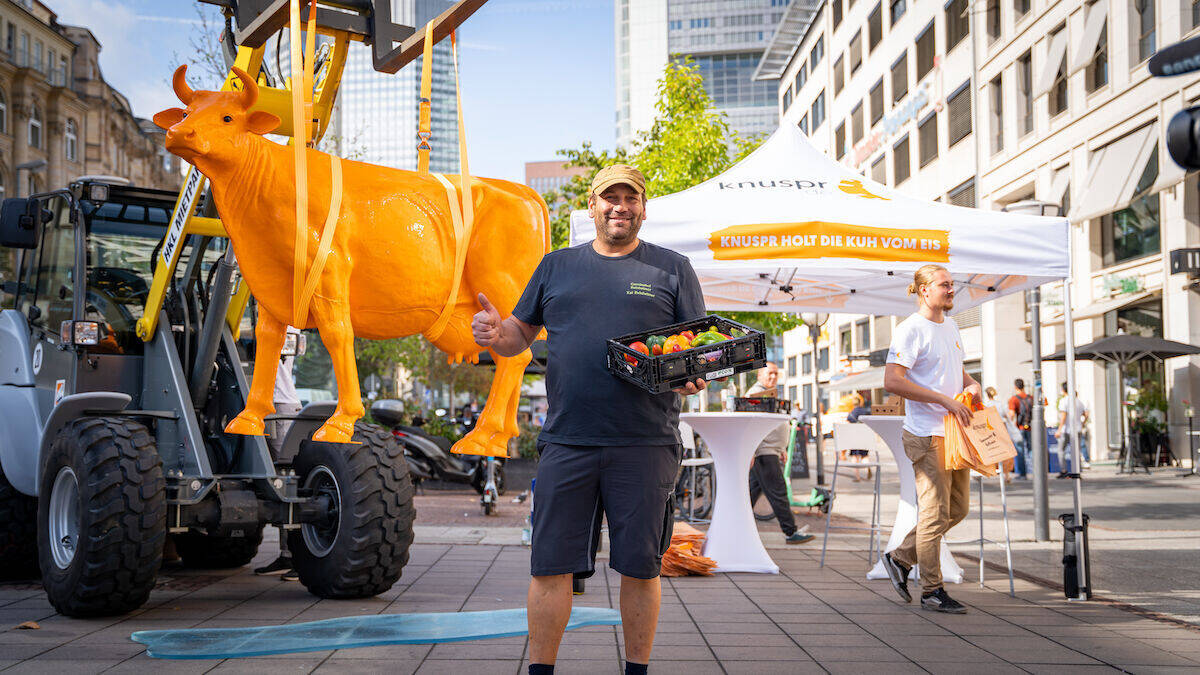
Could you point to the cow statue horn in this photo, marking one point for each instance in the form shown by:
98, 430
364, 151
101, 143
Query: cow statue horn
182, 90
249, 87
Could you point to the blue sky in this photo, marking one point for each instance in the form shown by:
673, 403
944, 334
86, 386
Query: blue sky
537, 75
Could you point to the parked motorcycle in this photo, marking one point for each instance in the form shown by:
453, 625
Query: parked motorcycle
431, 454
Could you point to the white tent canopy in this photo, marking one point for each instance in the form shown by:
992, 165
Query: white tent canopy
789, 230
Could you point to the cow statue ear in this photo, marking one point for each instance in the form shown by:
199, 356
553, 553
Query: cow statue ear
169, 117
261, 122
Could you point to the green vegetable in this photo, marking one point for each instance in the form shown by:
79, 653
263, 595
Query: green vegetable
655, 340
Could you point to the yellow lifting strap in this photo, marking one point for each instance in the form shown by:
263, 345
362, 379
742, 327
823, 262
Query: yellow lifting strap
464, 219
425, 107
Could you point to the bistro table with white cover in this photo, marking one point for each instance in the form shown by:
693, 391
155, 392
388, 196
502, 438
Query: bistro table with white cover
891, 429
732, 538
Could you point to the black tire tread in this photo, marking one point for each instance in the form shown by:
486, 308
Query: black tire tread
125, 518
18, 533
372, 557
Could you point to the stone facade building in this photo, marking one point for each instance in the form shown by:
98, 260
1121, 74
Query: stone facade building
59, 118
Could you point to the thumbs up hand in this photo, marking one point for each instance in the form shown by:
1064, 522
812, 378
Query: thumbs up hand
485, 326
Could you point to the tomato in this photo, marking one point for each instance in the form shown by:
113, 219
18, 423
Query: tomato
689, 335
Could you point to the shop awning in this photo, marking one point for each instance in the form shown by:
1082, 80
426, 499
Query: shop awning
1085, 51
1102, 307
867, 379
1114, 172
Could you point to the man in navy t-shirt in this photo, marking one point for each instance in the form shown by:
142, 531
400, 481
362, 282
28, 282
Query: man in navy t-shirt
608, 448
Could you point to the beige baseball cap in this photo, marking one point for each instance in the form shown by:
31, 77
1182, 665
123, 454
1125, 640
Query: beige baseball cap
618, 173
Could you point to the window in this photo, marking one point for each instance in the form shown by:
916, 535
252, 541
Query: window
1058, 91
787, 100
856, 52
818, 111
993, 20
818, 52
1195, 12
837, 13
1025, 94
792, 393
839, 77
10, 39
856, 123
804, 124
958, 23
38, 62
847, 345
963, 195
901, 168
996, 122
900, 78
23, 55
3, 113
71, 141
728, 80
1133, 232
791, 366
35, 127
823, 359
839, 140
801, 78
863, 327
875, 27
676, 24
926, 51
958, 106
1097, 71
876, 96
879, 170
927, 138
806, 364
1020, 8
807, 404
1142, 28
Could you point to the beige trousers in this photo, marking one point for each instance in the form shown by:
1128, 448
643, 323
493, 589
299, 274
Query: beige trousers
943, 499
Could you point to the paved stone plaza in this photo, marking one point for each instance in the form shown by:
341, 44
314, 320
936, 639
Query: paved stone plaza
806, 619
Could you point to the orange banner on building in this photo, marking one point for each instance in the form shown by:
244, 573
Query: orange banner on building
818, 239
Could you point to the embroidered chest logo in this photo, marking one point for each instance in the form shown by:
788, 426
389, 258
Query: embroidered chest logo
636, 288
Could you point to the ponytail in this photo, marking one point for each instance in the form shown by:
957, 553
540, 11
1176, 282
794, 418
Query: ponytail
923, 276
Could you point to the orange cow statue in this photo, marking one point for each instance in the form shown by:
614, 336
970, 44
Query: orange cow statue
390, 271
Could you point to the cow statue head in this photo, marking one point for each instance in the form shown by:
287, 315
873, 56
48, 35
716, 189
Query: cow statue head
215, 123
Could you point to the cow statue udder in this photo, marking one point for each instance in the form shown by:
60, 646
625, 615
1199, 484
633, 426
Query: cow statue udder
391, 268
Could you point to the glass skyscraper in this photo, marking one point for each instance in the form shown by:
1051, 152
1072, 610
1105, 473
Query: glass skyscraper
375, 117
726, 39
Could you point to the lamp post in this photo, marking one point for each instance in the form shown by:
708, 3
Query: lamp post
1037, 425
814, 321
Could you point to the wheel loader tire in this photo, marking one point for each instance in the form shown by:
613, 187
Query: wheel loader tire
18, 533
101, 517
363, 547
210, 552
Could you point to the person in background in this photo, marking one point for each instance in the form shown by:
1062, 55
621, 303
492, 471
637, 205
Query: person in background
857, 455
925, 366
1068, 428
766, 473
1020, 413
286, 403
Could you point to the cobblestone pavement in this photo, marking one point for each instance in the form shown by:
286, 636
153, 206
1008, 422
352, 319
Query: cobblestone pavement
806, 619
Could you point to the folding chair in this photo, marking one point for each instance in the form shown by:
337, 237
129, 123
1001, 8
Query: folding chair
846, 437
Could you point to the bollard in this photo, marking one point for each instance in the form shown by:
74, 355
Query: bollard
1071, 556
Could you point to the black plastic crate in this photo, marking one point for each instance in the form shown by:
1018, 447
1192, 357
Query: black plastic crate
767, 404
658, 374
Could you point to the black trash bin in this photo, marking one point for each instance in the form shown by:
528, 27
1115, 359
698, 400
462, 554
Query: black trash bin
800, 452
1071, 555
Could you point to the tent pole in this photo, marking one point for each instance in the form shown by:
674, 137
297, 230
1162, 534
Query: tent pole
1037, 426
1073, 438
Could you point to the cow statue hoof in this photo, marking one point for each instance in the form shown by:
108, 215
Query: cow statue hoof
245, 424
337, 429
483, 443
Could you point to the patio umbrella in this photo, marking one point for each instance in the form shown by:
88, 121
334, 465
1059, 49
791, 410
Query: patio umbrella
1123, 350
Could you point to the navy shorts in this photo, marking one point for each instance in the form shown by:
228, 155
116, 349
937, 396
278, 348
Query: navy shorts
578, 485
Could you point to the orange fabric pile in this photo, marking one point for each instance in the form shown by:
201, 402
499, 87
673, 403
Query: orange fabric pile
958, 450
683, 557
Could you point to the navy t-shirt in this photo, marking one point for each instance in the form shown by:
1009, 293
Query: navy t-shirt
584, 299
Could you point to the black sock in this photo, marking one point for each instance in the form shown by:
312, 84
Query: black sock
632, 668
541, 669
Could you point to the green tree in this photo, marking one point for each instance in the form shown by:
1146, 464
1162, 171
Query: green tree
688, 143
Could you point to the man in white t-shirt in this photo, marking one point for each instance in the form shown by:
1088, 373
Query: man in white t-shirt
1068, 428
925, 366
